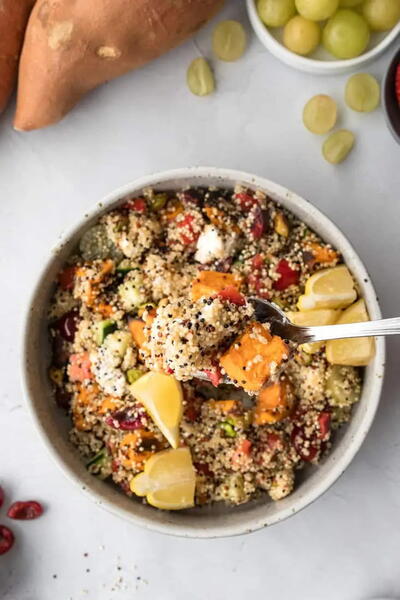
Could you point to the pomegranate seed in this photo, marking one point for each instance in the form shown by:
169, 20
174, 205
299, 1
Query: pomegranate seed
68, 324
25, 511
1, 496
6, 539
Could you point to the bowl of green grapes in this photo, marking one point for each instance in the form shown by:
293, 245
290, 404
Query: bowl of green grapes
325, 36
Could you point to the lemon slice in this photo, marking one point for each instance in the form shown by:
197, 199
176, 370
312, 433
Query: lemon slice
329, 288
310, 318
168, 480
161, 395
355, 352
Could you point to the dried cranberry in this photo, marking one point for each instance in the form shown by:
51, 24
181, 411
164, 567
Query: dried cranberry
122, 420
231, 294
204, 469
25, 511
66, 278
1, 496
6, 539
288, 276
223, 266
324, 422
299, 440
259, 226
68, 324
63, 399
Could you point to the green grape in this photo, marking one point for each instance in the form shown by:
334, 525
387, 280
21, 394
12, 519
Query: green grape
346, 34
229, 40
200, 78
337, 146
275, 13
316, 10
362, 92
381, 15
301, 35
349, 3
319, 114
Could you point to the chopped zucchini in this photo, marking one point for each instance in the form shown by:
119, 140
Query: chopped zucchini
131, 291
228, 428
125, 266
100, 464
104, 328
117, 343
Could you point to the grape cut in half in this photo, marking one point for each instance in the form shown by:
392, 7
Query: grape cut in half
320, 114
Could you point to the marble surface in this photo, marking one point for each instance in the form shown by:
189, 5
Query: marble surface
346, 545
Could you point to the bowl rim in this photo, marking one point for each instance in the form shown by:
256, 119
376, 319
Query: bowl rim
313, 65
386, 84
321, 486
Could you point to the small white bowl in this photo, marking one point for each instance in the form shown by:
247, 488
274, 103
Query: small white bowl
321, 62
217, 520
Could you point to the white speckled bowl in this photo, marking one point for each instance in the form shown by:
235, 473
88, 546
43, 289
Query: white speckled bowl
217, 520
320, 62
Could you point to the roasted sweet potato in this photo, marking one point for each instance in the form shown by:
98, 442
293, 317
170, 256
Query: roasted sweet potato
13, 18
73, 46
253, 357
136, 327
274, 403
321, 255
209, 283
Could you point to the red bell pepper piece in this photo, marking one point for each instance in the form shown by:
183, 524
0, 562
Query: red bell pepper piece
288, 276
231, 294
136, 204
66, 278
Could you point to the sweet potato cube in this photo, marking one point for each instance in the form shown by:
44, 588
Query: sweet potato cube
274, 403
209, 283
253, 357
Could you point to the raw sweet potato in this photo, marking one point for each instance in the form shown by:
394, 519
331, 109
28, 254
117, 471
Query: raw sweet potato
13, 18
253, 356
209, 283
72, 46
274, 403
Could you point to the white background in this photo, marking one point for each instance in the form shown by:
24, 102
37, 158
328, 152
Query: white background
344, 547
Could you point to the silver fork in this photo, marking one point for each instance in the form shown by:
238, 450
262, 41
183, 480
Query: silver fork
266, 311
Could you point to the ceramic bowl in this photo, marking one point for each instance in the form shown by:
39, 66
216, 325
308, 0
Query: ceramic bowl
217, 520
391, 105
321, 62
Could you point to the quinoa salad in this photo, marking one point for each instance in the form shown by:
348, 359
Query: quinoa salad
175, 392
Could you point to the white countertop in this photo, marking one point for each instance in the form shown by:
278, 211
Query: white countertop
346, 546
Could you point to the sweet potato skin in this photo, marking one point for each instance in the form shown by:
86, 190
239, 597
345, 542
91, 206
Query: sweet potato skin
73, 46
13, 19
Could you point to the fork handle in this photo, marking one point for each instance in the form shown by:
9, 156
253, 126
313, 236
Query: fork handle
347, 330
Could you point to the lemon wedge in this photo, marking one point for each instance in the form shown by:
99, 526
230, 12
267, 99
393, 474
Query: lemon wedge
162, 397
329, 288
168, 480
310, 318
355, 352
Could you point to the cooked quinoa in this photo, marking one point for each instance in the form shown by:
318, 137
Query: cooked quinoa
134, 297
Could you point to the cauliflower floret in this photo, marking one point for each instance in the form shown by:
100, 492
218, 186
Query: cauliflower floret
134, 234
107, 360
